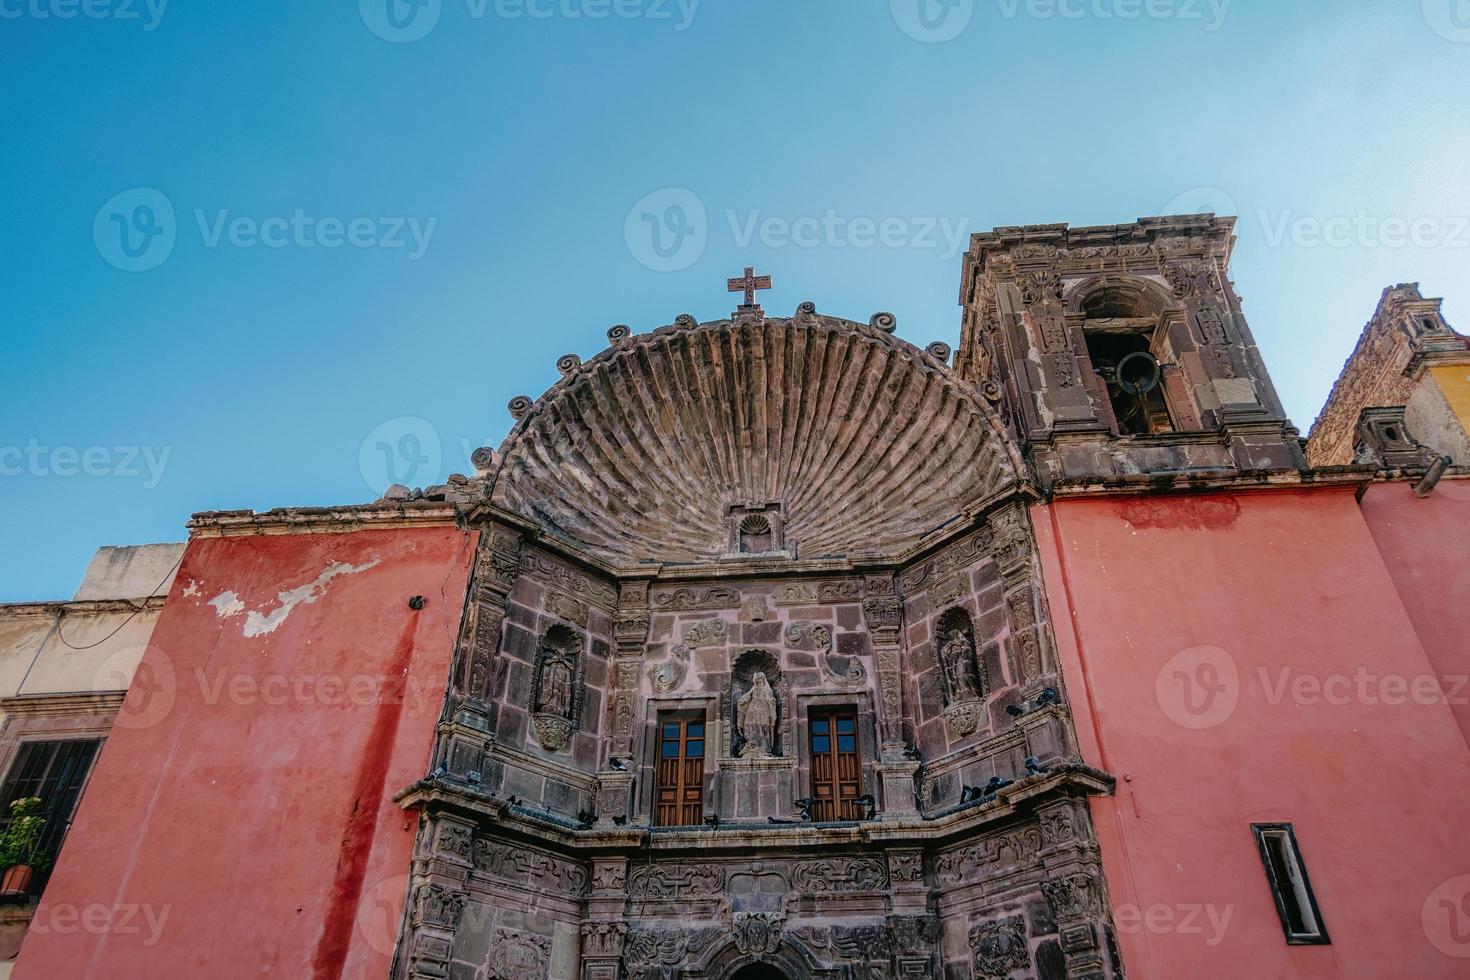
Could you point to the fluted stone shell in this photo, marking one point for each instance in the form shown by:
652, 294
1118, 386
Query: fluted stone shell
867, 442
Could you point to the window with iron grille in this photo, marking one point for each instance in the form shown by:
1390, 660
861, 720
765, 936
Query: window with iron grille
53, 772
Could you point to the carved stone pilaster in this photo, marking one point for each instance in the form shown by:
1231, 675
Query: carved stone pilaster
496, 568
630, 634
435, 916
1015, 547
883, 611
1078, 906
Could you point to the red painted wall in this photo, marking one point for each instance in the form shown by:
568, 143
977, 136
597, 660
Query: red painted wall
240, 820
1225, 592
1426, 546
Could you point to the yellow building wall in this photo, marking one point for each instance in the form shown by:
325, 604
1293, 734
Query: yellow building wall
1454, 384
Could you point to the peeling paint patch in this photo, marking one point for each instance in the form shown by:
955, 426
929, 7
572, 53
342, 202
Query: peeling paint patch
258, 622
192, 589
227, 604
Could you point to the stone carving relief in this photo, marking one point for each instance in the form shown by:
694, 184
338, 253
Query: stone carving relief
811, 594
565, 607
602, 940
518, 956
682, 600
661, 882
709, 633
669, 676
569, 580
439, 907
1076, 896
532, 869
1192, 277
648, 953
556, 690
840, 875
1000, 948
808, 636
1013, 850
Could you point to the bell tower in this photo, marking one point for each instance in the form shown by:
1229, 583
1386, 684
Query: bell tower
1120, 353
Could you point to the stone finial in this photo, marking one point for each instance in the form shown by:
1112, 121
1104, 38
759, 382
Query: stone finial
618, 334
520, 406
568, 363
885, 322
940, 351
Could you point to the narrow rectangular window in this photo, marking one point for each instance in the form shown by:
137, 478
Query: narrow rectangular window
837, 779
679, 779
53, 772
1286, 873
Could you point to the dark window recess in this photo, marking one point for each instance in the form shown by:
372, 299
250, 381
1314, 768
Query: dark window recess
1286, 873
1134, 381
837, 779
54, 772
679, 787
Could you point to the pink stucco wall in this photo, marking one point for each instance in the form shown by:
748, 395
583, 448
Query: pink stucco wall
1235, 659
240, 820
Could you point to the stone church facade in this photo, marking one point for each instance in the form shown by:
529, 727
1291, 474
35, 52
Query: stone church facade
782, 647
869, 589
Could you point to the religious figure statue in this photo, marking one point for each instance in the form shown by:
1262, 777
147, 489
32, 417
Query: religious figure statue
758, 718
556, 689
959, 659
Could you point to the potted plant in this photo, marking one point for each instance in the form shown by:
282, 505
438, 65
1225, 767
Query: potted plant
21, 854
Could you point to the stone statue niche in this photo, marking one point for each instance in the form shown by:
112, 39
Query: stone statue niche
556, 688
757, 698
961, 672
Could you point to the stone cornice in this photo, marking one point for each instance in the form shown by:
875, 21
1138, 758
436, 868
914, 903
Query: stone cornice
322, 520
51, 705
1067, 780
81, 606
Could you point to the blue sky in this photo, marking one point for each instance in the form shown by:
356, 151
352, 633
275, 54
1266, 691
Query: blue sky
378, 238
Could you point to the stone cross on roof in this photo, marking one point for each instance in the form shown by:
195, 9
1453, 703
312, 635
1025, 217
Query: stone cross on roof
748, 284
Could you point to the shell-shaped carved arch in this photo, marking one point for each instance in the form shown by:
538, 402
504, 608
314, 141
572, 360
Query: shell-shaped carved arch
867, 443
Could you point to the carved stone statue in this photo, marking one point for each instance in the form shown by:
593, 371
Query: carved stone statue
758, 718
959, 662
556, 689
